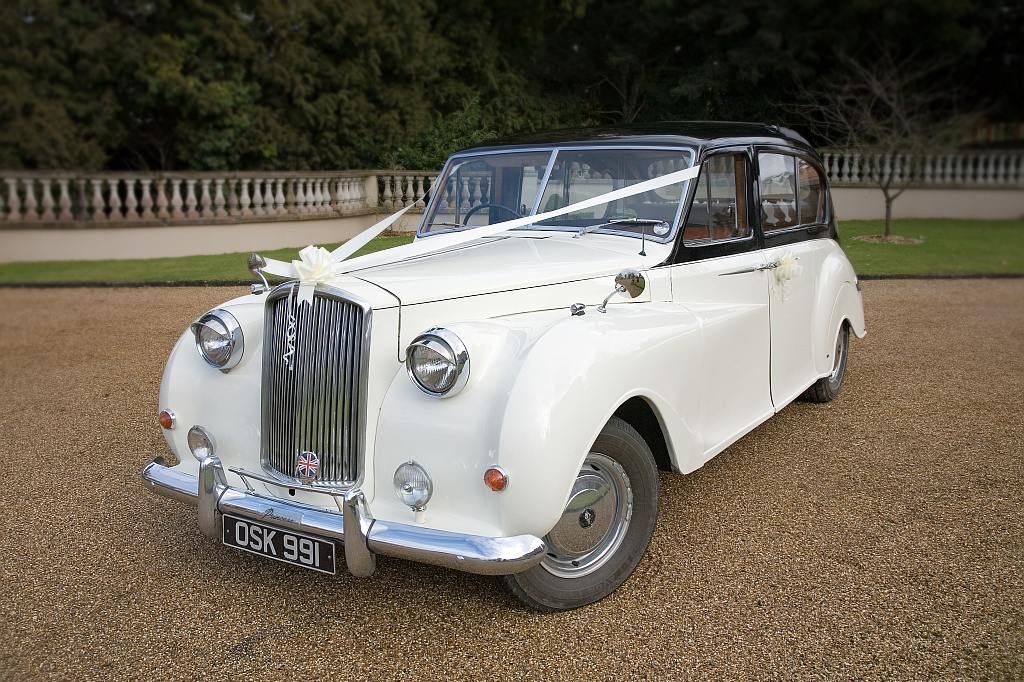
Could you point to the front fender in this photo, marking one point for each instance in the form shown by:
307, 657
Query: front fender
571, 383
541, 387
455, 439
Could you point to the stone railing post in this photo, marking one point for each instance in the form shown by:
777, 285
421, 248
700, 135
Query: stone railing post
280, 199
244, 199
114, 201
370, 191
13, 201
130, 201
218, 200
161, 199
190, 199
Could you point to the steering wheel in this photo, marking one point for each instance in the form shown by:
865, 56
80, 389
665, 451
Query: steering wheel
470, 212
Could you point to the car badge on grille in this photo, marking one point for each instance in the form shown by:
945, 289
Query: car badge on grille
306, 465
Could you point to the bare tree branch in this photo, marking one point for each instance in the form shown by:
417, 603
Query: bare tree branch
891, 112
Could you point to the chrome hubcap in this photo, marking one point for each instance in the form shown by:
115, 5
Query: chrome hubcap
594, 522
837, 362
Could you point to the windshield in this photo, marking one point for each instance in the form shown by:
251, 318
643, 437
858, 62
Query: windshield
483, 189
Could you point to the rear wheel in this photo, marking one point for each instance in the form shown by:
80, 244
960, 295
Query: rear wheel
827, 388
604, 530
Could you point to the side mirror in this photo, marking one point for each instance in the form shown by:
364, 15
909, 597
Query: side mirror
256, 263
631, 282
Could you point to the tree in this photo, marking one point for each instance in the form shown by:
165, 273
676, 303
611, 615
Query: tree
892, 113
331, 84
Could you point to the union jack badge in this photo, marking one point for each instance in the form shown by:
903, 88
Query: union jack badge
307, 464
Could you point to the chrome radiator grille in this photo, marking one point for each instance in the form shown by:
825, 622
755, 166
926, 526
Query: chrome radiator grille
317, 404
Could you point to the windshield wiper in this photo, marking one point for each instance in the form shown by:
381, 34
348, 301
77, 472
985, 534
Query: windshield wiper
619, 221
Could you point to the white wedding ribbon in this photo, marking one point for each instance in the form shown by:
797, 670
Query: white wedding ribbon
446, 241
316, 265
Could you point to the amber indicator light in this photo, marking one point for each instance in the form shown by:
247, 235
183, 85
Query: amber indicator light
167, 419
496, 479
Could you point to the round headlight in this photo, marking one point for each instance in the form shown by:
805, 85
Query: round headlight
438, 362
219, 339
412, 485
200, 442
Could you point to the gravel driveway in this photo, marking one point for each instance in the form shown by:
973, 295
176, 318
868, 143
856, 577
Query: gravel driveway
879, 536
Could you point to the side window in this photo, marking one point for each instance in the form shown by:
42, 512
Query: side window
811, 202
777, 181
719, 208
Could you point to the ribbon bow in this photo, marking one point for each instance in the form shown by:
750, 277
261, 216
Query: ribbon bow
315, 266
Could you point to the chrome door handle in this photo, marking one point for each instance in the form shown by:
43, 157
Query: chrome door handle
759, 268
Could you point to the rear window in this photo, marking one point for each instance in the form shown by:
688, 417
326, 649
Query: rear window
792, 193
811, 199
777, 182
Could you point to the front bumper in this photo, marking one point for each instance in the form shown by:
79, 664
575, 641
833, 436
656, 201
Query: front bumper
363, 536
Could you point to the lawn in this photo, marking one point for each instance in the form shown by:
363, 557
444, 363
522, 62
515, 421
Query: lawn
948, 247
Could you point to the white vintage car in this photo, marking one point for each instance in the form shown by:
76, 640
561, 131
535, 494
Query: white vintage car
499, 400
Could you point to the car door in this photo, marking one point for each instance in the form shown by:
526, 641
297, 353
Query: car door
719, 276
793, 214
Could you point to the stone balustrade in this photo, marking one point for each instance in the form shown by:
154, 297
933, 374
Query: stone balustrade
83, 199
398, 189
988, 170
172, 198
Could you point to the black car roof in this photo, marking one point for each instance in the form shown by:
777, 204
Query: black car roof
668, 133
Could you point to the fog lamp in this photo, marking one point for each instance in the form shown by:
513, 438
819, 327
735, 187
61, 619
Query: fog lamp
413, 486
200, 442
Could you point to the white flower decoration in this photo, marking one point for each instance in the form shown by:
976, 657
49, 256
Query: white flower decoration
788, 268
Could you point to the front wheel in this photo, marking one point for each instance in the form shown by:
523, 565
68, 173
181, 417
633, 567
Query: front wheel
604, 530
827, 388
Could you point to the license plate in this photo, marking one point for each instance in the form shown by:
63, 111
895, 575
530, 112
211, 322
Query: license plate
283, 545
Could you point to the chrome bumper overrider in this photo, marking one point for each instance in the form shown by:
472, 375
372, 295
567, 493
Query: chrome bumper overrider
362, 535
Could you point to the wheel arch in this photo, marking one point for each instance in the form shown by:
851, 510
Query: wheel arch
639, 413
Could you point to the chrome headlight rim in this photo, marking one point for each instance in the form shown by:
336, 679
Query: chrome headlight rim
232, 330
448, 344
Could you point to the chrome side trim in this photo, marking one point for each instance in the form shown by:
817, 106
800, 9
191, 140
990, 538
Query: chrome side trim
363, 536
744, 271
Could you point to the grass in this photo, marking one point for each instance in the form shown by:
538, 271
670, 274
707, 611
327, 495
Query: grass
949, 247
